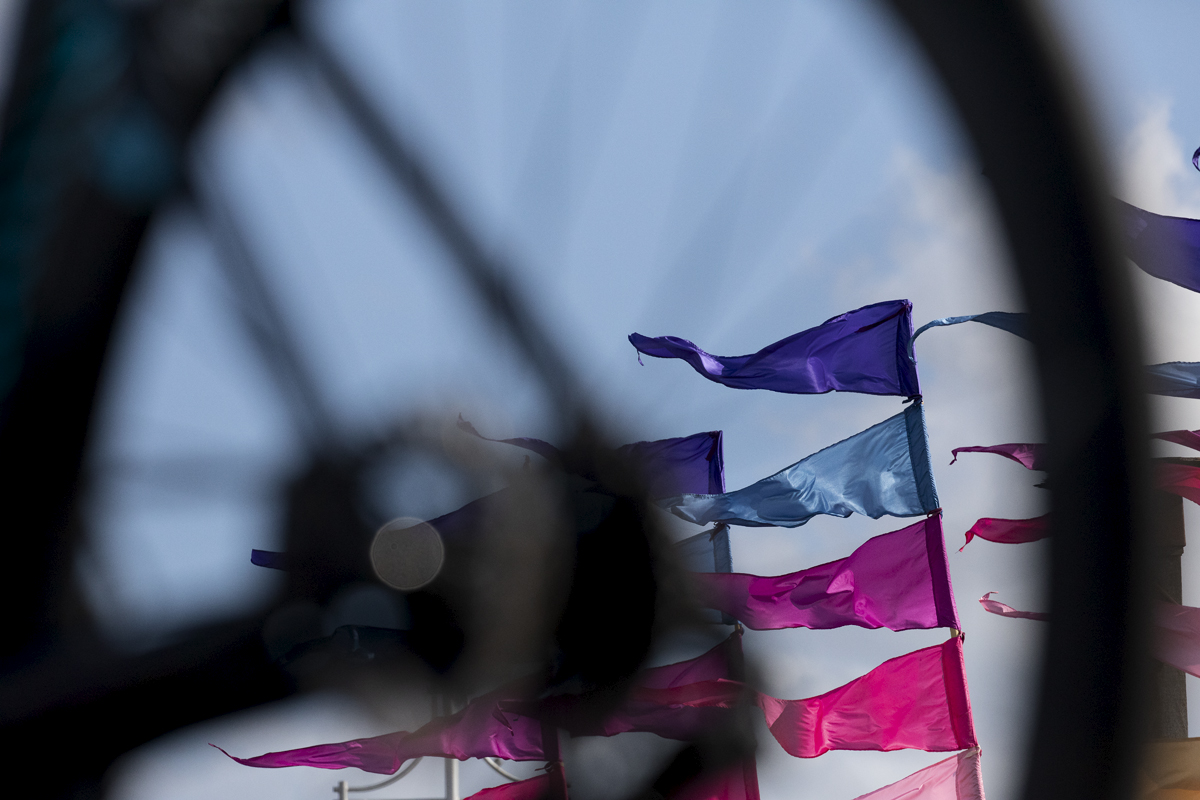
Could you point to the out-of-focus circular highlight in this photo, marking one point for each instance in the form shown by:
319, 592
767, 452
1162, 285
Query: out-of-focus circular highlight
407, 553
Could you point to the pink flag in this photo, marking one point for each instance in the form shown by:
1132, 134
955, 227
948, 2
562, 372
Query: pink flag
1180, 479
917, 701
530, 789
1186, 438
738, 782
1009, 531
1000, 609
1030, 456
1177, 637
899, 580
481, 729
956, 778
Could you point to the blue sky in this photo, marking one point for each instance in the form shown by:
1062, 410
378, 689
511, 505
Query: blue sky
727, 172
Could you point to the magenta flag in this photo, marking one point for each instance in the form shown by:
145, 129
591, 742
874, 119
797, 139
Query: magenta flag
916, 701
738, 782
1180, 479
865, 350
956, 778
899, 581
1000, 609
1186, 438
1029, 456
1177, 637
1009, 531
481, 729
530, 789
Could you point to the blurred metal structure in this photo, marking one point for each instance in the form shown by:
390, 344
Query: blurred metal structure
101, 109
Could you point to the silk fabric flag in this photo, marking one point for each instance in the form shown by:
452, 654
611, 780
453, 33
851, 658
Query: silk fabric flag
1009, 531
534, 788
1186, 438
1174, 379
1016, 323
864, 351
1177, 636
481, 729
1029, 456
1000, 609
917, 701
899, 581
955, 778
1180, 479
1165, 247
693, 463
1169, 770
882, 470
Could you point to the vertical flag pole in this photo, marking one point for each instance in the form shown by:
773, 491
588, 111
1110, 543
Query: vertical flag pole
554, 764
451, 764
1170, 701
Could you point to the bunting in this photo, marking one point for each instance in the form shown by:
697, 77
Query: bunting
1179, 479
1009, 531
884, 470
1186, 438
693, 463
534, 788
1016, 323
956, 778
1029, 456
1000, 609
899, 581
863, 351
1165, 247
480, 730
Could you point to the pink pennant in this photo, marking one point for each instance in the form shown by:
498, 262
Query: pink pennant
1029, 456
916, 701
1000, 609
1186, 438
1180, 479
955, 778
1009, 531
532, 789
899, 580
1177, 637
481, 729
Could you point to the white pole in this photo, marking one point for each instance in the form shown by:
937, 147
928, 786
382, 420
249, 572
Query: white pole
343, 790
452, 779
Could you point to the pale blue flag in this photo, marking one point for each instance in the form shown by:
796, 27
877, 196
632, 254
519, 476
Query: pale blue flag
884, 470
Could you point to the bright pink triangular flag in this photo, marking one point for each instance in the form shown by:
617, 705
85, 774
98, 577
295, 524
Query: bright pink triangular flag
1009, 531
955, 778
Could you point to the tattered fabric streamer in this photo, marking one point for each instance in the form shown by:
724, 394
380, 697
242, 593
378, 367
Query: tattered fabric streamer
955, 778
1166, 247
1009, 531
884, 470
1180, 479
1016, 323
899, 581
860, 351
683, 464
1174, 378
1029, 456
1003, 610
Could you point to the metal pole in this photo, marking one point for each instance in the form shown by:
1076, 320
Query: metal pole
1170, 689
451, 764
343, 790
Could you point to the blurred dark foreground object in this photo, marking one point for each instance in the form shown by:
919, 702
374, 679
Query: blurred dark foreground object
100, 111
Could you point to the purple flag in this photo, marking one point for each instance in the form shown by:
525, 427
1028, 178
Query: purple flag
1029, 456
686, 465
479, 730
1009, 531
864, 351
1165, 247
900, 581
